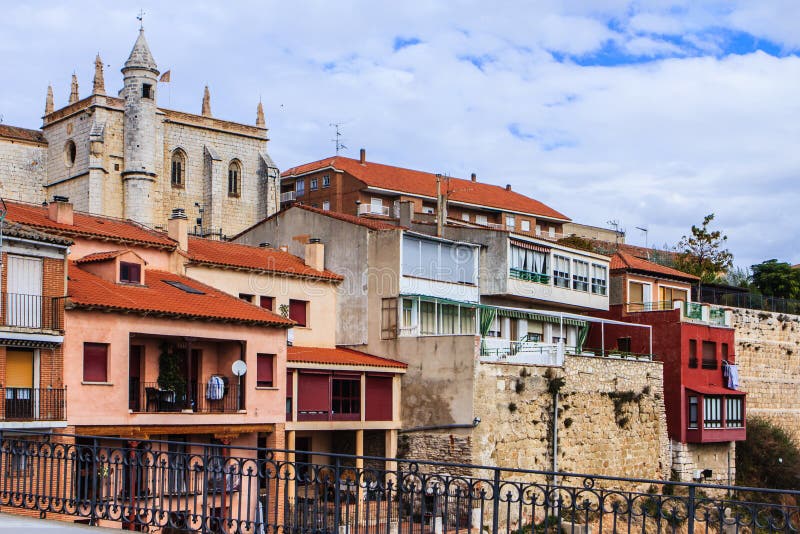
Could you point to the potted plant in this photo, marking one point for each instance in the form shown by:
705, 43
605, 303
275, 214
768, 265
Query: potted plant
170, 373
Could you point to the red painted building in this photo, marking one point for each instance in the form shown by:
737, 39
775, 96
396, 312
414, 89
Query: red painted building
705, 409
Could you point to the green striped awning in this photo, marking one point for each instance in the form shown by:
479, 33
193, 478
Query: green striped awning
533, 316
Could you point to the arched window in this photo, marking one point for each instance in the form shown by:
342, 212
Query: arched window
234, 179
178, 168
70, 152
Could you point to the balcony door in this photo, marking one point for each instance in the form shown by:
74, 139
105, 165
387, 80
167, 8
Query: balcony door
24, 292
19, 384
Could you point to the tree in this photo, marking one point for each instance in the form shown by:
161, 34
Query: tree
739, 277
777, 279
768, 458
702, 253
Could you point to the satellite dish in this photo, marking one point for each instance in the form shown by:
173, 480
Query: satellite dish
239, 367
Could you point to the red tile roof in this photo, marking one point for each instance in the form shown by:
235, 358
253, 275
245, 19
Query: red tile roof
88, 225
372, 224
338, 356
424, 184
87, 290
100, 256
23, 134
235, 255
622, 261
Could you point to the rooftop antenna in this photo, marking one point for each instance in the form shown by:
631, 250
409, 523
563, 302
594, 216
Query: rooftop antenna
338, 139
140, 18
644, 229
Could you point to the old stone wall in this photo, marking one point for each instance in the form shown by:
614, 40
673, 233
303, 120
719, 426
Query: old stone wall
23, 169
768, 354
720, 458
611, 419
452, 447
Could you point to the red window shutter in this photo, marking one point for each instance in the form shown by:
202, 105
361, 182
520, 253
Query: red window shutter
313, 393
265, 369
378, 398
297, 311
95, 362
265, 302
289, 384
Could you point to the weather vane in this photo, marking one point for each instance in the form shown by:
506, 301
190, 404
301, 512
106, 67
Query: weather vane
140, 18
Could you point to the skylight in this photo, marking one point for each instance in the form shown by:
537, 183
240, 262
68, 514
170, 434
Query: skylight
184, 287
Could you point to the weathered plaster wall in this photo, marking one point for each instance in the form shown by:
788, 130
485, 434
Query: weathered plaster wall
23, 170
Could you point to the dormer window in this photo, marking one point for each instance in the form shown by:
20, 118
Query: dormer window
147, 90
130, 273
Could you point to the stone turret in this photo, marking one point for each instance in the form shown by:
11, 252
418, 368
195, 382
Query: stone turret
140, 77
48, 102
99, 84
73, 90
260, 122
206, 111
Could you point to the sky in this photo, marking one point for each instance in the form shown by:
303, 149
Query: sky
650, 114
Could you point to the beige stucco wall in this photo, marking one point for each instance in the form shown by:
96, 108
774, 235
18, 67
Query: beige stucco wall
107, 404
321, 329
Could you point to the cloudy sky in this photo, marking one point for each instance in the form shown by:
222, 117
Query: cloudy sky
649, 113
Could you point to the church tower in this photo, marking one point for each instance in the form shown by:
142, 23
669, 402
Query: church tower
140, 76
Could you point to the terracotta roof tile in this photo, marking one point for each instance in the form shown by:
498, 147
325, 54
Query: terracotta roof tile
100, 256
424, 183
23, 134
87, 290
256, 258
11, 229
88, 225
372, 224
623, 261
338, 356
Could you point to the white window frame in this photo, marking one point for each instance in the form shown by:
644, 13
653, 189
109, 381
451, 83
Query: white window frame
481, 219
525, 226
326, 205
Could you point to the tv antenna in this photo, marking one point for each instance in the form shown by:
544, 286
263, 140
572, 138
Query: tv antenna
338, 139
644, 229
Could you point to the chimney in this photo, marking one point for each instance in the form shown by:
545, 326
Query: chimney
363, 157
474, 177
315, 254
60, 210
406, 213
508, 187
284, 248
178, 228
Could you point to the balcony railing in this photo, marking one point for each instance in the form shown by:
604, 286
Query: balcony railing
369, 209
529, 276
499, 350
662, 305
32, 312
288, 196
149, 397
33, 404
693, 310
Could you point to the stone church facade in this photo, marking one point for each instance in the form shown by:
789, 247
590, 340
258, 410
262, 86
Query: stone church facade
126, 157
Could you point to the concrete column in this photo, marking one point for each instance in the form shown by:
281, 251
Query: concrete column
522, 328
294, 395
291, 458
359, 471
547, 336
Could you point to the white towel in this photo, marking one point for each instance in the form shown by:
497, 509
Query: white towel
216, 388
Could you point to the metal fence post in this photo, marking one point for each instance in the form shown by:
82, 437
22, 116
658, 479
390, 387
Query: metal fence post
690, 505
496, 502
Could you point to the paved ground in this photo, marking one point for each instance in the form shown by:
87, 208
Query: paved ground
16, 524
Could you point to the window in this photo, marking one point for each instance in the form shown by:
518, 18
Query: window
20, 466
345, 396
580, 278
130, 273
467, 320
268, 303
552, 231
178, 462
712, 412
409, 315
599, 279
526, 262
95, 362
561, 271
448, 319
693, 353
183, 287
538, 229
733, 412
510, 222
709, 355
234, 179
265, 370
313, 185
376, 206
70, 153
298, 311
389, 318
326, 205
147, 90
326, 180
525, 226
246, 297
481, 219
638, 294
671, 294
624, 344
300, 187
427, 318
692, 412
465, 217
434, 260
178, 168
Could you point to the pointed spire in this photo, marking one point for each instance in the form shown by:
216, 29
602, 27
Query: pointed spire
206, 103
260, 116
99, 84
140, 55
48, 103
73, 90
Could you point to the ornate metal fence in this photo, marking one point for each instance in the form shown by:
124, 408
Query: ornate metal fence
176, 486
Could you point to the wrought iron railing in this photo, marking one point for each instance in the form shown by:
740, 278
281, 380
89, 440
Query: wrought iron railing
31, 311
529, 276
205, 397
201, 487
33, 404
658, 305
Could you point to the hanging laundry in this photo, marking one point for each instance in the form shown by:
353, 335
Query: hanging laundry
215, 389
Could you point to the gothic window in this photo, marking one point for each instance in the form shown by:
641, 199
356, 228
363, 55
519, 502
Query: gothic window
70, 152
178, 168
234, 179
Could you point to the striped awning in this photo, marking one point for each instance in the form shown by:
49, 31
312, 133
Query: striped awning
530, 246
533, 316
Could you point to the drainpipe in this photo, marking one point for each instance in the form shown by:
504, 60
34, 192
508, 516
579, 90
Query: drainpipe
555, 439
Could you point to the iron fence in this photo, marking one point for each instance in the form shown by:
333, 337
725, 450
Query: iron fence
752, 301
178, 486
217, 397
31, 311
33, 404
